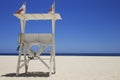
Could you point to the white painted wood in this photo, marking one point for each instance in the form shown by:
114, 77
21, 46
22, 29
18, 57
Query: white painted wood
23, 23
43, 16
43, 40
43, 62
24, 63
53, 26
37, 38
19, 58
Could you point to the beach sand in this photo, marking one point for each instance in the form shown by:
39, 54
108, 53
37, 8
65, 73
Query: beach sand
68, 68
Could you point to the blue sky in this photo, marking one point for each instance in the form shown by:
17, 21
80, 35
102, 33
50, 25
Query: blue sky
87, 26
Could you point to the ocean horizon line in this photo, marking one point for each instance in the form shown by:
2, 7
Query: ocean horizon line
68, 54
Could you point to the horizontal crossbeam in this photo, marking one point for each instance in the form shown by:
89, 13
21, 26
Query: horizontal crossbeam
43, 16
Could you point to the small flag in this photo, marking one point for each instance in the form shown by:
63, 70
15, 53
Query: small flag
52, 8
22, 9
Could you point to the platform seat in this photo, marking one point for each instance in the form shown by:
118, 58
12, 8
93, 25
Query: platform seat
36, 39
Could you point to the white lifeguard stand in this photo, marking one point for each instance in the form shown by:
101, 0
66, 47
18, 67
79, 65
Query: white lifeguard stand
42, 40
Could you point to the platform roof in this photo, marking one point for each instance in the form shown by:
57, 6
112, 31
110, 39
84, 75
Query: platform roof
43, 16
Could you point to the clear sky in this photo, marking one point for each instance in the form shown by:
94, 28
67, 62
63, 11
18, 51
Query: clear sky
87, 26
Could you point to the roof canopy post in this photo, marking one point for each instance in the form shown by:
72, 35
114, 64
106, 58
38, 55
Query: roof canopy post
23, 23
53, 26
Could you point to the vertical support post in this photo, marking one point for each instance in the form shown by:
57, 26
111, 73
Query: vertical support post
53, 46
51, 65
23, 22
19, 58
25, 59
53, 43
53, 54
53, 26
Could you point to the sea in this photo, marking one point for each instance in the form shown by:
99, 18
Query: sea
68, 54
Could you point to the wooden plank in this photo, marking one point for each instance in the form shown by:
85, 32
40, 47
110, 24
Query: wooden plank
49, 16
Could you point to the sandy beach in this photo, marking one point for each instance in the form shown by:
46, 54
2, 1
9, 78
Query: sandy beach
68, 68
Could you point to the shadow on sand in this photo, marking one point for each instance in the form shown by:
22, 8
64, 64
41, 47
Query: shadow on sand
29, 74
